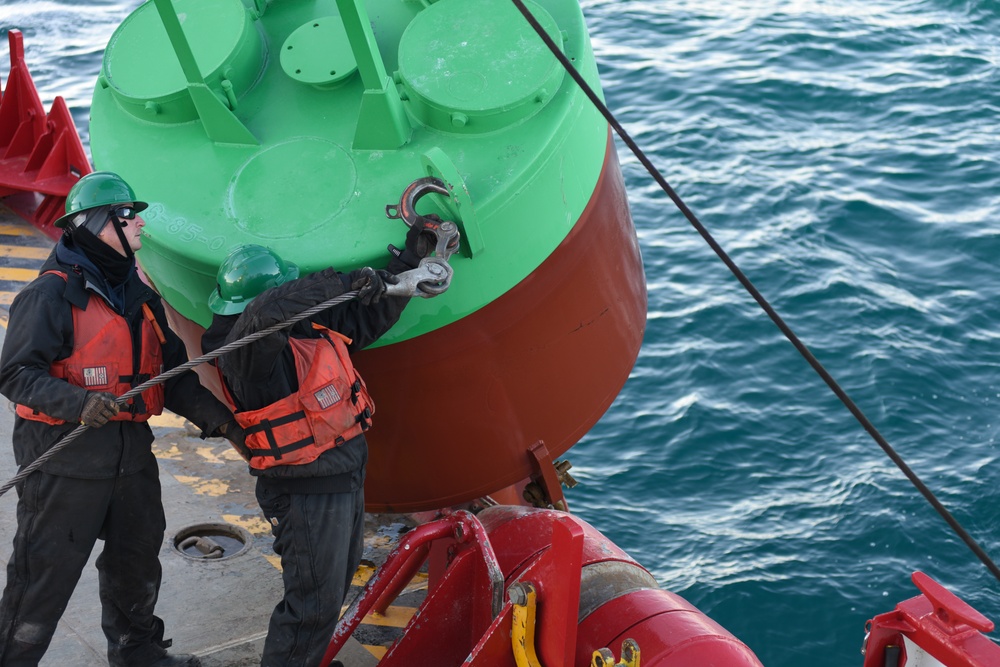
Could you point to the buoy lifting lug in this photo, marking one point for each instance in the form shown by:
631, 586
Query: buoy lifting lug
406, 209
445, 231
433, 275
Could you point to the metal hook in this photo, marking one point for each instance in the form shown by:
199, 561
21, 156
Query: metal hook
406, 209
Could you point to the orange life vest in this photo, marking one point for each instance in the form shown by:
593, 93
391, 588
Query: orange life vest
331, 406
102, 360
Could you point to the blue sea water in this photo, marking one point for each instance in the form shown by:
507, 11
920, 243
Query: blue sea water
846, 155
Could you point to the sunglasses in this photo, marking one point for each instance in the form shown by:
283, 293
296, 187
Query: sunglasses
123, 215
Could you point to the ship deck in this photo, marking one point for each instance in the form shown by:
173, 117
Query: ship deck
217, 609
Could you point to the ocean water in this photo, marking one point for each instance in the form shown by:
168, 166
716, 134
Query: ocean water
845, 154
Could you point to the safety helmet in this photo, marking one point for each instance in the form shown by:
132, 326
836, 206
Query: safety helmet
98, 188
245, 273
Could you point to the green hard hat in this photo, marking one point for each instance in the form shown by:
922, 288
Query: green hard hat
245, 273
98, 188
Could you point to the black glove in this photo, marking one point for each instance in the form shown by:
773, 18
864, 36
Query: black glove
370, 285
235, 434
420, 241
98, 409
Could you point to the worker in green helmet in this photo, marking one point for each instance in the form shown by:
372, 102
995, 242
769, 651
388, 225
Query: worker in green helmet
86, 331
305, 410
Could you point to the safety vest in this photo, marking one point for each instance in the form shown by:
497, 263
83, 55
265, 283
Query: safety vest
102, 360
331, 406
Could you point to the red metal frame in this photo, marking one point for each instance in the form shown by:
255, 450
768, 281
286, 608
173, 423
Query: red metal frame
41, 156
464, 602
938, 622
465, 619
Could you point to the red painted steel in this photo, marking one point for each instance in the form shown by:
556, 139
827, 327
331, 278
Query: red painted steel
523, 536
459, 608
460, 408
555, 574
463, 622
462, 405
41, 156
670, 632
937, 621
520, 533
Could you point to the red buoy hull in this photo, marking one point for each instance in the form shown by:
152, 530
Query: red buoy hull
459, 408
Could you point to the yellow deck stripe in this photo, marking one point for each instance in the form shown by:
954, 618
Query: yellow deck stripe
395, 617
19, 230
24, 252
362, 575
165, 420
18, 275
6, 298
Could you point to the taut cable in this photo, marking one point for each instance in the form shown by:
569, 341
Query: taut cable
759, 298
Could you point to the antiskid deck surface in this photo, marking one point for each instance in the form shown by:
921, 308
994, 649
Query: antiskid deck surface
217, 609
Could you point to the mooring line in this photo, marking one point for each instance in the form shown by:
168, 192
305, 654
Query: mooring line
758, 297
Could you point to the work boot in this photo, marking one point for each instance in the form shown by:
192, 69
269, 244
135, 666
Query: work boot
178, 660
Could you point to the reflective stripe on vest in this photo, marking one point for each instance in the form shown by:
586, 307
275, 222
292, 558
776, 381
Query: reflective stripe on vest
331, 406
102, 361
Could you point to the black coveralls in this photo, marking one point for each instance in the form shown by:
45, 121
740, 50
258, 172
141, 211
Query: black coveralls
316, 510
104, 485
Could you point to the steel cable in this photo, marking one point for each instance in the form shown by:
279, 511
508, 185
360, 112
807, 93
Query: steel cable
174, 372
758, 297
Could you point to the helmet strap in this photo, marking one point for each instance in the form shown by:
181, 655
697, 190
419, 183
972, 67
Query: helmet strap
121, 237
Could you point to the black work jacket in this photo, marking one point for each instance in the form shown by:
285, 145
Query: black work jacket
40, 331
263, 372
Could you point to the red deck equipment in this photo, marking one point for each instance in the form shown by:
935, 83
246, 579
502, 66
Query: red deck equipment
523, 587
936, 625
41, 156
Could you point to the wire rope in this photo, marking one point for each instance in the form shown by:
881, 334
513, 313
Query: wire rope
172, 373
924, 490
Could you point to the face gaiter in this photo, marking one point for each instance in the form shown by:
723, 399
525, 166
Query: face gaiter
115, 266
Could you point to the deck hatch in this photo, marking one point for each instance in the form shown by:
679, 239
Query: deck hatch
211, 541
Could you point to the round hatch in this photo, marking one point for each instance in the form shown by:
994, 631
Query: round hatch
145, 74
461, 73
318, 53
211, 541
291, 170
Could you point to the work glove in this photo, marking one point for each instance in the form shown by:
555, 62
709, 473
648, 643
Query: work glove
235, 434
420, 240
98, 409
371, 285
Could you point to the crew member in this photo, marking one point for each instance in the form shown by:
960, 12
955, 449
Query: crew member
305, 408
83, 333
